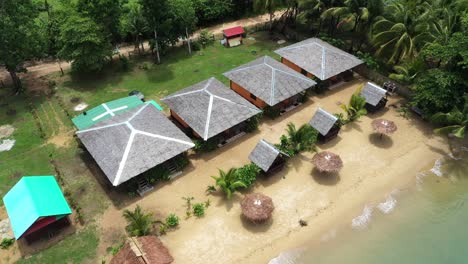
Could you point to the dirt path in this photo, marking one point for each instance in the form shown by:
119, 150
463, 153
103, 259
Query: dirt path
44, 68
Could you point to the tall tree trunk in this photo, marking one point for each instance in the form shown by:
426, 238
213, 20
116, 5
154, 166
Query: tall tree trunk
188, 41
136, 44
271, 21
157, 46
16, 82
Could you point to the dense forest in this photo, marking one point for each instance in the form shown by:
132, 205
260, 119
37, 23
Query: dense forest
419, 43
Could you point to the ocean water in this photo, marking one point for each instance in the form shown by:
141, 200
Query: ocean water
426, 223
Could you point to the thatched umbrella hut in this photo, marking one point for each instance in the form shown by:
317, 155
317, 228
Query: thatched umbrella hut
326, 161
384, 126
257, 207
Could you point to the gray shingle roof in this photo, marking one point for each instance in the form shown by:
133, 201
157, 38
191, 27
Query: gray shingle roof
269, 80
209, 107
323, 121
319, 58
133, 142
264, 154
373, 93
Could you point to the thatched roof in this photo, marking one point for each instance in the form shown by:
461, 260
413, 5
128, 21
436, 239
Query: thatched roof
373, 93
323, 121
257, 207
143, 250
269, 80
384, 126
133, 142
319, 58
264, 154
209, 107
326, 161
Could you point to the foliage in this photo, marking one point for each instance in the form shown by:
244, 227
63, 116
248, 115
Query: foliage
229, 182
407, 73
202, 146
139, 222
188, 206
116, 248
158, 173
124, 63
205, 38
369, 60
341, 120
253, 123
105, 13
6, 243
298, 140
454, 122
283, 146
333, 41
172, 220
248, 174
210, 10
133, 22
83, 44
182, 16
199, 209
271, 112
268, 6
355, 109
181, 161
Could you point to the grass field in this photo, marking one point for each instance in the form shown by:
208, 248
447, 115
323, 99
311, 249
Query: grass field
44, 131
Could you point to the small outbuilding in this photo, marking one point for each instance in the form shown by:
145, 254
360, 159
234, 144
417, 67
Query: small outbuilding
36, 208
143, 250
132, 142
265, 82
233, 36
326, 124
376, 97
267, 157
316, 58
210, 110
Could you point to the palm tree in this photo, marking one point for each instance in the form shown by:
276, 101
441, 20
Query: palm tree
353, 11
356, 107
402, 30
134, 23
454, 122
302, 139
269, 6
229, 182
139, 223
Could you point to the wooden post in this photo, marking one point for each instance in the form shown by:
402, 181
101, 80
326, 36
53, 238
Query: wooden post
188, 41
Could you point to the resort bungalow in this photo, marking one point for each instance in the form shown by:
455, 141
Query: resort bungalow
108, 110
266, 82
132, 142
36, 208
326, 124
267, 157
376, 97
210, 110
233, 36
316, 58
143, 250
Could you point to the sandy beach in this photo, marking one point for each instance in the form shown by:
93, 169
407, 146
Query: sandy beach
373, 168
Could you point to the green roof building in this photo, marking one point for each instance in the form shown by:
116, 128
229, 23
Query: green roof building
34, 203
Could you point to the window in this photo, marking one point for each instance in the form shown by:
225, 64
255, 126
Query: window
253, 96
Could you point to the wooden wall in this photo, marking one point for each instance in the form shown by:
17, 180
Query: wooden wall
246, 94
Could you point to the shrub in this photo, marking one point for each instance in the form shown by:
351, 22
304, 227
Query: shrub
355, 109
205, 146
181, 161
157, 173
139, 223
205, 38
228, 182
271, 112
52, 84
298, 140
145, 66
252, 123
6, 243
172, 220
124, 63
199, 209
369, 60
341, 120
248, 174
196, 46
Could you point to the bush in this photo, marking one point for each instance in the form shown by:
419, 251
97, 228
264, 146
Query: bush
196, 46
181, 161
145, 66
157, 173
124, 63
252, 123
52, 84
248, 174
205, 38
369, 60
172, 220
199, 209
203, 146
271, 112
6, 243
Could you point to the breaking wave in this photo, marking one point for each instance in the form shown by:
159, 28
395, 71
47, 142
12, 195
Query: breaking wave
361, 221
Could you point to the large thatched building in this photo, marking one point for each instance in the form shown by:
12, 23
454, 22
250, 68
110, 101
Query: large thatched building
133, 142
267, 82
316, 58
376, 97
209, 109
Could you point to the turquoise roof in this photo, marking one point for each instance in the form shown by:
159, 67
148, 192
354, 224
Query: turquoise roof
31, 198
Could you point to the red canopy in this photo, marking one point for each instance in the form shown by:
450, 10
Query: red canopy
234, 31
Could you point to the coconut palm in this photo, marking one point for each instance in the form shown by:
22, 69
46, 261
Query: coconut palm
356, 108
454, 122
302, 139
229, 182
139, 223
352, 12
269, 6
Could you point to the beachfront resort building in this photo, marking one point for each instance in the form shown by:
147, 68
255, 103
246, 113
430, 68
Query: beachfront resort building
210, 110
316, 58
265, 82
376, 97
326, 124
36, 208
268, 157
132, 142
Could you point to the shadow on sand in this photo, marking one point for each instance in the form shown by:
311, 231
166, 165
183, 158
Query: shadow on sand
381, 140
256, 228
323, 178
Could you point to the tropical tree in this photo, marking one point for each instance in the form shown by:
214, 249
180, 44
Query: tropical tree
184, 19
352, 12
229, 182
355, 108
268, 6
19, 37
157, 15
302, 139
454, 122
139, 223
134, 23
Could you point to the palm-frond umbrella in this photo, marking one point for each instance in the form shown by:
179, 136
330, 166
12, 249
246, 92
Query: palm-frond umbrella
327, 161
384, 126
257, 207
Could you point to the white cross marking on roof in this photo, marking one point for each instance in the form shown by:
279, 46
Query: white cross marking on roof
109, 111
322, 74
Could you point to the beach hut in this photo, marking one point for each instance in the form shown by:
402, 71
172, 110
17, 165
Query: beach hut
210, 110
316, 58
326, 124
257, 207
265, 82
132, 142
267, 157
143, 250
376, 97
233, 36
36, 208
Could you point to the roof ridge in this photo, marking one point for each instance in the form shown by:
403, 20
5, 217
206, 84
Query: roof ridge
273, 81
244, 68
236, 103
32, 200
208, 117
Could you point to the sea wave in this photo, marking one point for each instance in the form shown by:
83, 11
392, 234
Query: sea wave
288, 257
361, 221
388, 205
437, 169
